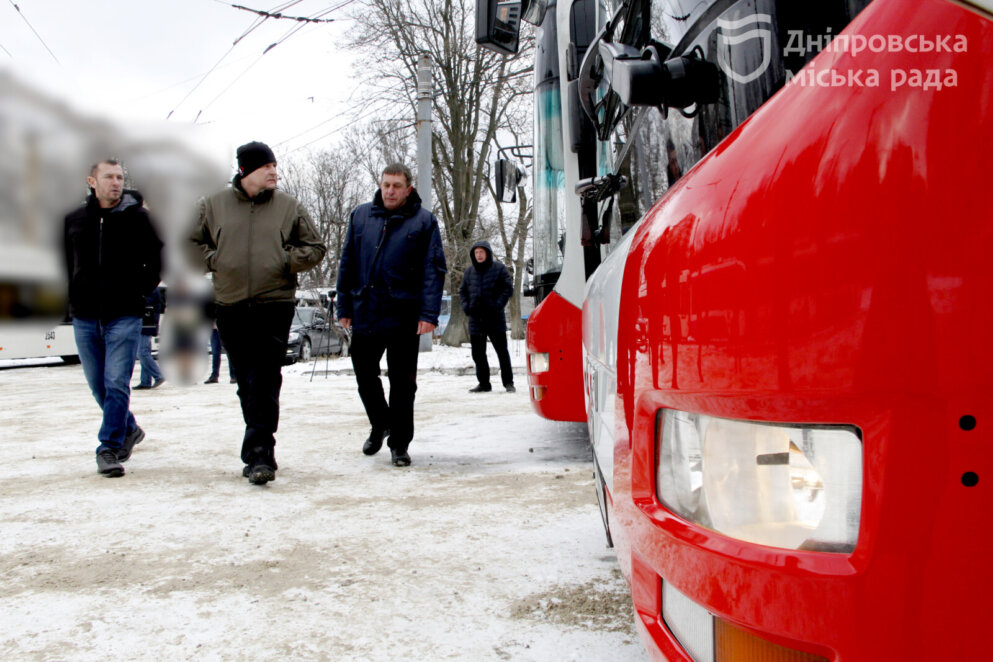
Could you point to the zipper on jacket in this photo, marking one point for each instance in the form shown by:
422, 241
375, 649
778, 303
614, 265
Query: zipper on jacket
251, 222
100, 260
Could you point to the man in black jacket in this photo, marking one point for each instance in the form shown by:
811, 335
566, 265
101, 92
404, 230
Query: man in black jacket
390, 280
113, 259
485, 290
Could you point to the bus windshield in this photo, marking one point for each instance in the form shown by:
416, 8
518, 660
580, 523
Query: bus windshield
748, 41
549, 164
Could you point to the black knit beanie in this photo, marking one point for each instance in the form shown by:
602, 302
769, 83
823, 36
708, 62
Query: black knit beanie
253, 156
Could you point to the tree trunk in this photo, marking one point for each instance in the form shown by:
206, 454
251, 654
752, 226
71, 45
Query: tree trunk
457, 331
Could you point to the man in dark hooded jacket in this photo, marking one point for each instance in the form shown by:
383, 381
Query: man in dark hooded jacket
390, 281
485, 290
113, 258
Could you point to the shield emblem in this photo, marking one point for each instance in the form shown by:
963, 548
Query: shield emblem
733, 32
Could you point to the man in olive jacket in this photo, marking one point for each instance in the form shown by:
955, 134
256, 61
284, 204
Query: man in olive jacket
254, 240
485, 290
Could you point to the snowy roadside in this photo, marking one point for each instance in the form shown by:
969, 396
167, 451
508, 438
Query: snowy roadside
441, 359
488, 548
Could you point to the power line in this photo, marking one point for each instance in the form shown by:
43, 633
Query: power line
6, 51
255, 24
25, 18
188, 80
289, 33
277, 15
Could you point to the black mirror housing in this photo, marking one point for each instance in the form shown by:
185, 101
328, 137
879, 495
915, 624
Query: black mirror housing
506, 178
643, 79
498, 24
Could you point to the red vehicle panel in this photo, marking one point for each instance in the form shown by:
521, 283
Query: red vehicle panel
556, 393
829, 264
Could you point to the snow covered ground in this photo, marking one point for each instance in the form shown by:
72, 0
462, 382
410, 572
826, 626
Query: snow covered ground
488, 548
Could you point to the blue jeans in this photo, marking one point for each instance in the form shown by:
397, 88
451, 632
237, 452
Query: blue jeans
107, 351
149, 368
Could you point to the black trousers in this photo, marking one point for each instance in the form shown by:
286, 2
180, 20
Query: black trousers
499, 340
255, 336
401, 364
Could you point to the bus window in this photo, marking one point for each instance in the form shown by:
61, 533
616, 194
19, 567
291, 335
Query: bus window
748, 41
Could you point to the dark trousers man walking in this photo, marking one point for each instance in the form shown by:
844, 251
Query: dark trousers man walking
255, 335
397, 416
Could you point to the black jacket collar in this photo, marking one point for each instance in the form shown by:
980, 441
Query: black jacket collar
410, 207
129, 198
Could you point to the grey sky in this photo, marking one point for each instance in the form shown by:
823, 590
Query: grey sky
135, 60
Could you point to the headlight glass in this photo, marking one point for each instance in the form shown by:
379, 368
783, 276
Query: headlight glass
539, 363
783, 485
293, 337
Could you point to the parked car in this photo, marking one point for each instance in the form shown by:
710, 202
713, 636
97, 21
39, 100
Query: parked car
313, 334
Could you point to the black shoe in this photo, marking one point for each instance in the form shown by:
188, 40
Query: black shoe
510, 388
211, 380
246, 470
142, 387
374, 442
260, 474
481, 388
108, 465
399, 458
131, 439
158, 383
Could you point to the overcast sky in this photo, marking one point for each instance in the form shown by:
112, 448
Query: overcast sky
136, 60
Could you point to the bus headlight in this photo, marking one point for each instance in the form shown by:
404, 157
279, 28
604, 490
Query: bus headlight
539, 362
791, 486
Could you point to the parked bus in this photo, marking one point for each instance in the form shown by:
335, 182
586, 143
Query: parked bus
32, 303
785, 353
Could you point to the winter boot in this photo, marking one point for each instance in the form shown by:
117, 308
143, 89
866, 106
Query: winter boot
262, 468
375, 441
481, 388
399, 458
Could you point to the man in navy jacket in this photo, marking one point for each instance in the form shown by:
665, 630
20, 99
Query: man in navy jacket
390, 281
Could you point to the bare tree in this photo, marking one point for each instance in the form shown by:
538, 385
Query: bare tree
474, 88
377, 144
324, 182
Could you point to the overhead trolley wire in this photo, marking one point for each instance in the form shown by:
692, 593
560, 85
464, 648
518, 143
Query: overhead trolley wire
255, 24
289, 33
25, 18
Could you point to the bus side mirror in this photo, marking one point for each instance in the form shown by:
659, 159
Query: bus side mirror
498, 24
506, 178
645, 79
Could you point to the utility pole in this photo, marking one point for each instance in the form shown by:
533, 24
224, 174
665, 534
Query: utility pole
425, 93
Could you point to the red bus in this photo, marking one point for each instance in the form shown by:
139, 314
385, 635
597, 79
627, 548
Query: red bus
786, 351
